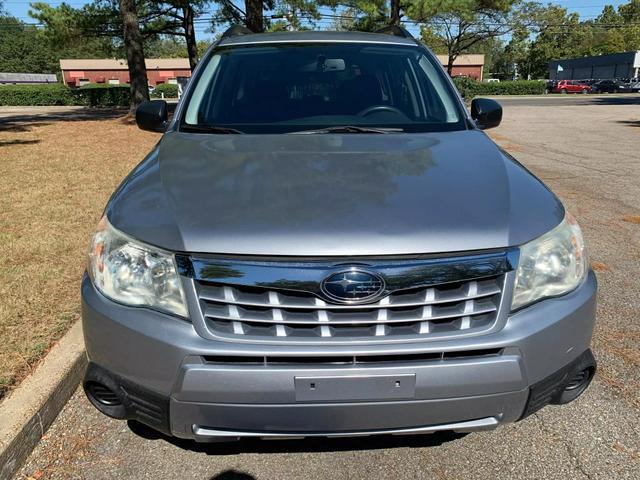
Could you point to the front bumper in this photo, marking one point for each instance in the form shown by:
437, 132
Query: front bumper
165, 374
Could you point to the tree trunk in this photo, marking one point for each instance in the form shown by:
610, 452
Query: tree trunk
450, 60
190, 34
254, 18
395, 13
135, 53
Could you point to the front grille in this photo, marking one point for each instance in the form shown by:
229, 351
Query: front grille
240, 311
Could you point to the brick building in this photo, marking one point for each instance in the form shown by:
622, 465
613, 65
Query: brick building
471, 65
77, 72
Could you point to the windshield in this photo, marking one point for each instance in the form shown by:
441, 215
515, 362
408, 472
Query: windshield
282, 88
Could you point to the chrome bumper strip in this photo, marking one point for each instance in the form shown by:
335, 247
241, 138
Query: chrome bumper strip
488, 423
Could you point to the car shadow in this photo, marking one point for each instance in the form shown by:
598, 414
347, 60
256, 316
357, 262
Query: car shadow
233, 475
308, 445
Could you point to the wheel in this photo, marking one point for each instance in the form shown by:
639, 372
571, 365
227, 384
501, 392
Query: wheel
563, 91
584, 91
615, 90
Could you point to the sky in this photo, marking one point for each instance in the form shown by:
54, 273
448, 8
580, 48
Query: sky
587, 9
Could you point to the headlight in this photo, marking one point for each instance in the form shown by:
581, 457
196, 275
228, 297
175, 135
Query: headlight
551, 265
132, 273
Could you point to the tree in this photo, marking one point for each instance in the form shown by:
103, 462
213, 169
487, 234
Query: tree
254, 18
394, 18
23, 48
253, 14
135, 53
560, 35
175, 17
360, 15
102, 19
462, 24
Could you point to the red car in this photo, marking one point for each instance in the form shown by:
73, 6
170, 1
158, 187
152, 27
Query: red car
571, 86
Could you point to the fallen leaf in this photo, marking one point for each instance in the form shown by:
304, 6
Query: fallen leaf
631, 219
600, 267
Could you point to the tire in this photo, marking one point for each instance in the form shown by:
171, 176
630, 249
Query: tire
615, 90
563, 91
584, 91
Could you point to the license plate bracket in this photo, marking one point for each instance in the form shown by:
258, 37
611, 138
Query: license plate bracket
355, 387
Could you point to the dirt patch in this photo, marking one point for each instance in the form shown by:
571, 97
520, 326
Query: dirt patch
505, 142
56, 178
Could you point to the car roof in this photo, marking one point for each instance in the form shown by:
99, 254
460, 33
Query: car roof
316, 37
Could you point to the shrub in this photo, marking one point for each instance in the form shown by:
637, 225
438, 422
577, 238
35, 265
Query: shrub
47, 94
170, 90
469, 88
105, 95
92, 95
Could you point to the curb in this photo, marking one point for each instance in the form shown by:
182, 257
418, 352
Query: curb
27, 413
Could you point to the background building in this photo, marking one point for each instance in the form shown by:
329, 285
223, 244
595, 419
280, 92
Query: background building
471, 65
77, 72
27, 78
616, 65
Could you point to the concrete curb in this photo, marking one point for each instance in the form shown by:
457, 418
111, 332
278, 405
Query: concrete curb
30, 409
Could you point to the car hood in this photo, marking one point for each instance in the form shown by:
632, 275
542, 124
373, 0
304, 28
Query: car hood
332, 195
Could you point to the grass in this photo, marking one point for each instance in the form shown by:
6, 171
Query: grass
56, 178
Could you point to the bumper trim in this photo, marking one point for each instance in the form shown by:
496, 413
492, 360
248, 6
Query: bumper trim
488, 423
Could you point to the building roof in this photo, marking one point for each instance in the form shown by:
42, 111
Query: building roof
469, 60
120, 64
28, 77
316, 36
630, 58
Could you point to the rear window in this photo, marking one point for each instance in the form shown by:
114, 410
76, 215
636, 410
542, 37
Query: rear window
281, 88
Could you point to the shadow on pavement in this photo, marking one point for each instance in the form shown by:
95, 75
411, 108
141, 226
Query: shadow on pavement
318, 444
21, 122
233, 475
24, 122
616, 100
630, 123
6, 143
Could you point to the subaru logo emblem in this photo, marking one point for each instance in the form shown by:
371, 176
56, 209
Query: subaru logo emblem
353, 286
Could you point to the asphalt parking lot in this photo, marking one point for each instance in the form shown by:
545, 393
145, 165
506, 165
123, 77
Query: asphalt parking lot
588, 151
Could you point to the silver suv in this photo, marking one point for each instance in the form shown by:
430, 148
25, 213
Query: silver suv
325, 243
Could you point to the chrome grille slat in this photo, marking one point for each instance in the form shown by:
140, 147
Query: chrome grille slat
424, 297
279, 317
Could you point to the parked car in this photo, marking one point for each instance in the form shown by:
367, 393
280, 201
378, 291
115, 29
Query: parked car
571, 86
612, 86
326, 243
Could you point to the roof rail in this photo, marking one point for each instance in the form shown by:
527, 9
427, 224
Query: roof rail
235, 30
395, 30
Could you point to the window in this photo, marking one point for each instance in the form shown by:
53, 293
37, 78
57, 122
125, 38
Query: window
292, 87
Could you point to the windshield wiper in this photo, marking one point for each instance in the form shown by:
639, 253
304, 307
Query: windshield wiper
210, 129
349, 129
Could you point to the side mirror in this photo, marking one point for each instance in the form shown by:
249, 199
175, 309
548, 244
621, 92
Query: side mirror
152, 116
487, 113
